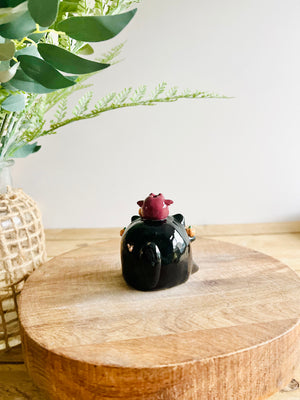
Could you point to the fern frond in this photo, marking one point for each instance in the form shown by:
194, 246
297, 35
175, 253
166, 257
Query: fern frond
122, 5
51, 99
122, 96
66, 8
65, 42
159, 90
110, 7
61, 111
111, 55
82, 105
32, 134
115, 101
98, 6
173, 91
105, 101
33, 121
139, 93
82, 7
187, 92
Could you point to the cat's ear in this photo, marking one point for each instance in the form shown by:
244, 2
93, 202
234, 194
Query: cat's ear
140, 203
169, 202
179, 218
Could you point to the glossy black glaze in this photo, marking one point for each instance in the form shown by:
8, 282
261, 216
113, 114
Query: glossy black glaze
156, 254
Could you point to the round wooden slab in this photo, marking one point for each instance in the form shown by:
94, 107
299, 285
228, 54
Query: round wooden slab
230, 333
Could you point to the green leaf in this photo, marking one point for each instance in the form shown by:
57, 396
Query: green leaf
66, 61
95, 29
7, 74
68, 6
23, 82
86, 50
19, 28
9, 14
4, 65
73, 78
29, 50
36, 36
43, 73
7, 50
13, 3
43, 12
14, 102
25, 149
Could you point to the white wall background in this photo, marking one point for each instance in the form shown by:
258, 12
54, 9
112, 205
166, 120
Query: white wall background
221, 161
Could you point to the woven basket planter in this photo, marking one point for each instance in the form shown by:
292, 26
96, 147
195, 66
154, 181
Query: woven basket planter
22, 250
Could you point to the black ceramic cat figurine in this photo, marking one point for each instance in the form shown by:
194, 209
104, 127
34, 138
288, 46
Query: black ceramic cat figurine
155, 247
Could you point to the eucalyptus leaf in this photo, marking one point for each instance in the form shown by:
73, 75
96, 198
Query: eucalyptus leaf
68, 6
36, 37
23, 82
95, 29
14, 102
13, 3
7, 50
25, 149
8, 74
43, 73
86, 50
8, 86
4, 65
72, 78
68, 62
9, 14
43, 12
29, 50
19, 28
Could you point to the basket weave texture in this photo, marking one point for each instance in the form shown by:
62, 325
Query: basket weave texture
22, 250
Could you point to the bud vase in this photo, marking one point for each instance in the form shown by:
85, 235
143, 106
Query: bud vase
22, 250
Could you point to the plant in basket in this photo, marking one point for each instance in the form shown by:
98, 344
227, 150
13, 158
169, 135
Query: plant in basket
47, 54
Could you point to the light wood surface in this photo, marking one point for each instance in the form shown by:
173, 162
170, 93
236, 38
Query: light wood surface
281, 240
87, 335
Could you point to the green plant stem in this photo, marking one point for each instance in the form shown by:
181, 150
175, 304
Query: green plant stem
12, 131
3, 125
10, 135
56, 97
5, 134
149, 102
37, 30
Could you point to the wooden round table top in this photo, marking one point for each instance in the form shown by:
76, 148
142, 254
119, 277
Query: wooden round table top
230, 332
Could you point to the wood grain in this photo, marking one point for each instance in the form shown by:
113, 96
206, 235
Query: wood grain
276, 239
15, 384
285, 247
231, 332
270, 228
